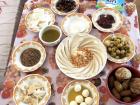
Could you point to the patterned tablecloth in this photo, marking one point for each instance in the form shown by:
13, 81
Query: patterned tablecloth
57, 79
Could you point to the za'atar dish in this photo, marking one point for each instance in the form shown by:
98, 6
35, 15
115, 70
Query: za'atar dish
81, 56
28, 56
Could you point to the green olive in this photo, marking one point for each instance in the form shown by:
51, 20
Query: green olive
113, 49
107, 42
119, 45
118, 51
111, 45
109, 49
122, 51
113, 54
118, 40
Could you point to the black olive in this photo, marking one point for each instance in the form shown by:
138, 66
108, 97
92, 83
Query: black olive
65, 5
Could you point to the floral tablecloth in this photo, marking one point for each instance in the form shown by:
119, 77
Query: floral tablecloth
57, 79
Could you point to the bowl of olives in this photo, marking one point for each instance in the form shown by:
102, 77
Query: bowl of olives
120, 48
124, 85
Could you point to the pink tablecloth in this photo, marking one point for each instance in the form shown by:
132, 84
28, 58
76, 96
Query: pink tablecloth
50, 69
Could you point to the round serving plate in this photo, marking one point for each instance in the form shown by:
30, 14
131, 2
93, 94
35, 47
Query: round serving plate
38, 18
76, 23
70, 45
91, 87
106, 10
26, 84
131, 44
55, 10
18, 51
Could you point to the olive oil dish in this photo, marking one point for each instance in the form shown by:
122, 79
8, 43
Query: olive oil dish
50, 35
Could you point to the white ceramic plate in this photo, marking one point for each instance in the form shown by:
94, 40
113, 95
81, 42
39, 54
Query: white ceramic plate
70, 45
18, 51
76, 23
132, 49
117, 17
54, 9
38, 18
93, 90
32, 83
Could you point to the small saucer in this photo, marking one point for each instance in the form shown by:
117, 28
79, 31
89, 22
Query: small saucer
76, 23
16, 61
107, 11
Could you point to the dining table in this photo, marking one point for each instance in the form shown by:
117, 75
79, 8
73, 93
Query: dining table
49, 69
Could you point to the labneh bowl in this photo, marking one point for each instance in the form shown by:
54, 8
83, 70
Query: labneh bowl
135, 74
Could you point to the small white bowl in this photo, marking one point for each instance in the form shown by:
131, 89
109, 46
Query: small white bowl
48, 28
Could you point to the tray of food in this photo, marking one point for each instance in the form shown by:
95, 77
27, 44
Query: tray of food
74, 52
